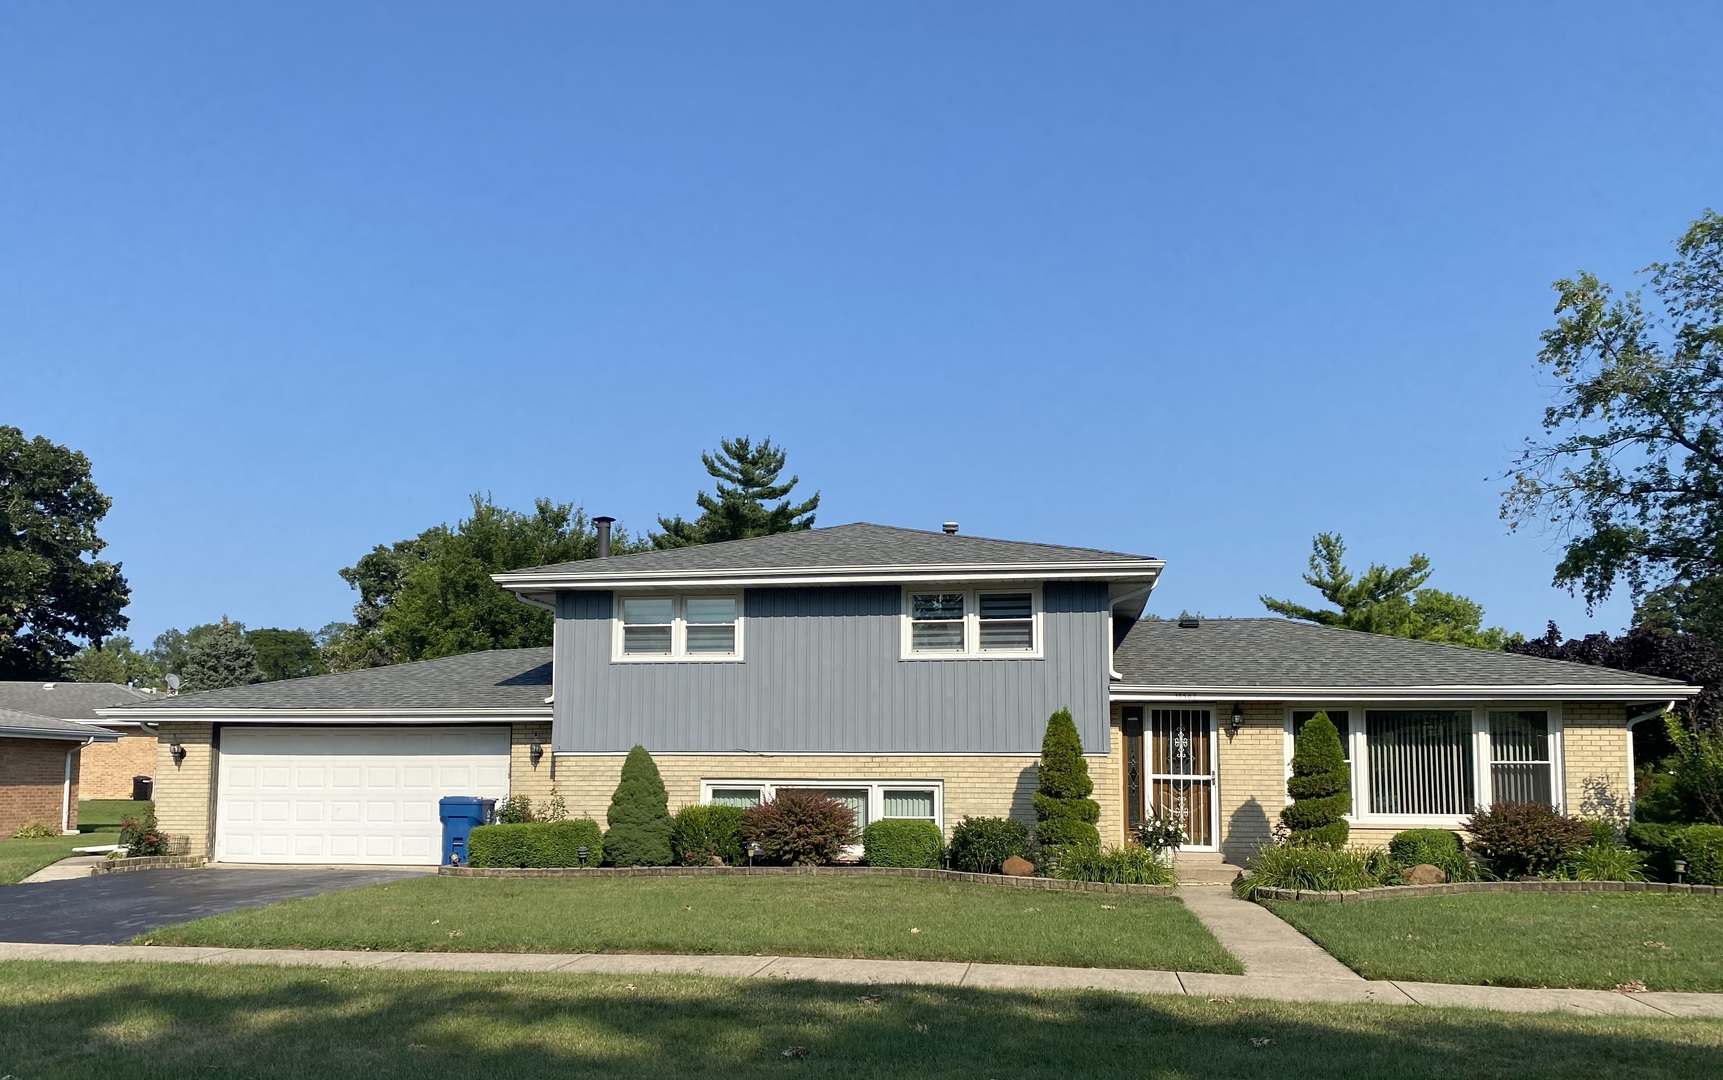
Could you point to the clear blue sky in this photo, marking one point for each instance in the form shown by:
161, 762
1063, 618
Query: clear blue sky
1187, 280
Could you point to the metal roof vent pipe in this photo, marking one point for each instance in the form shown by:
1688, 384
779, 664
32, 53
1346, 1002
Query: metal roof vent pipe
1189, 622
602, 524
949, 528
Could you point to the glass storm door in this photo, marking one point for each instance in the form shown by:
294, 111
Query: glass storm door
1181, 772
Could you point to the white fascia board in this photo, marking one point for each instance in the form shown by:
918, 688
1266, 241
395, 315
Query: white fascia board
346, 716
1325, 694
95, 734
1144, 570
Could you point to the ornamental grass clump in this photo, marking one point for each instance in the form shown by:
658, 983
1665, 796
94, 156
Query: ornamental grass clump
1315, 869
639, 815
1526, 839
1320, 786
1114, 866
799, 828
1065, 815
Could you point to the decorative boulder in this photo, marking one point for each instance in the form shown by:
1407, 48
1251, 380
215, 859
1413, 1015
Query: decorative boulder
1017, 866
1425, 874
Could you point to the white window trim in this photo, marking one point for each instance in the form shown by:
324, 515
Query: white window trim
876, 790
678, 653
1482, 783
972, 623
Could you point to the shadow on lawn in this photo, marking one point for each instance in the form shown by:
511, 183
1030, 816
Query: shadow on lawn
135, 1021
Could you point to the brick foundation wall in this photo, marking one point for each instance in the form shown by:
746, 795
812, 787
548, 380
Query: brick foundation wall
108, 768
33, 783
975, 786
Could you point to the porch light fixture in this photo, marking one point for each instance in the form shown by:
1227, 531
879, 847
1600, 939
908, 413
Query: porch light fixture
753, 850
177, 752
536, 752
1237, 716
583, 853
1680, 870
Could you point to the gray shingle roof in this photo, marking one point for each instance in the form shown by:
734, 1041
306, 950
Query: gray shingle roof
1250, 653
23, 725
499, 679
856, 545
66, 700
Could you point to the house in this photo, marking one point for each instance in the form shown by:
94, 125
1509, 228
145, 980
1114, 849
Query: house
907, 673
39, 769
109, 766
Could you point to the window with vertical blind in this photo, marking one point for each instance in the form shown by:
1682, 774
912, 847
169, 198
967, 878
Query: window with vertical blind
1437, 764
870, 800
683, 627
942, 623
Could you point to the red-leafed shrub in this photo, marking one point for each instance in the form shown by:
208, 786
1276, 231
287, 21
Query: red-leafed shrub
1524, 838
799, 828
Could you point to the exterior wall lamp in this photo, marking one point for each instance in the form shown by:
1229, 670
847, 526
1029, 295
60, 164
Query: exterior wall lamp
177, 752
536, 752
1237, 717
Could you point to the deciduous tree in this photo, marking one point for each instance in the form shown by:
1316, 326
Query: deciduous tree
54, 592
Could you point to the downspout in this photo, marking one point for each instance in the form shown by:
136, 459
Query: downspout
1632, 759
66, 790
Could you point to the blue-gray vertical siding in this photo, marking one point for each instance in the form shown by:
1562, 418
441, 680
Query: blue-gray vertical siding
821, 674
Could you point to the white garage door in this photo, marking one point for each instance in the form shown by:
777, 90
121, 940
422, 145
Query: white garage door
349, 795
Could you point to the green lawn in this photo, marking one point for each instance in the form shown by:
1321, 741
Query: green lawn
170, 1021
1596, 940
883, 918
96, 815
98, 822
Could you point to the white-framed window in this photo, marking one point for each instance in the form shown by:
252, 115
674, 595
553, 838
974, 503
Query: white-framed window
682, 626
948, 623
1435, 764
871, 800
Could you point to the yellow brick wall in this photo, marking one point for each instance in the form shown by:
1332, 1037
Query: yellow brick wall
183, 793
974, 786
1597, 757
108, 768
1252, 776
525, 778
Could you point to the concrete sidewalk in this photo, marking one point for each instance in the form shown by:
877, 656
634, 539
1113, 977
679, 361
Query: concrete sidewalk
1263, 943
922, 972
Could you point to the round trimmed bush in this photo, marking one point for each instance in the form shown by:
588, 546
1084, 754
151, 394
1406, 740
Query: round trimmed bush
980, 845
903, 842
799, 828
699, 834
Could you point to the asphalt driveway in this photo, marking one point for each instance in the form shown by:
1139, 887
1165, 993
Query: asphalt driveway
115, 908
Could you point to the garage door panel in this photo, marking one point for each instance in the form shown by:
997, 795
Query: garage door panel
357, 795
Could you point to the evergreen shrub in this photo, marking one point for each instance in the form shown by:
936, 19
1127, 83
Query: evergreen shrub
1526, 838
1702, 847
1320, 786
903, 842
799, 828
980, 845
536, 844
700, 834
639, 815
1065, 815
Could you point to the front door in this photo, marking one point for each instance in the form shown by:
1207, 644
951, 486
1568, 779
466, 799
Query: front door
1170, 770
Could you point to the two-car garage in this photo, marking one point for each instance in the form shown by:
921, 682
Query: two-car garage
361, 795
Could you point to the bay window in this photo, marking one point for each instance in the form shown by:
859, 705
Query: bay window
1437, 764
953, 624
681, 627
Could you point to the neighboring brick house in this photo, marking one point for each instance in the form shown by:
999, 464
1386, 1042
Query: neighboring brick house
39, 770
909, 674
108, 767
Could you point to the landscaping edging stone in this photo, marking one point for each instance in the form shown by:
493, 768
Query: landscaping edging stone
147, 862
1402, 892
1055, 884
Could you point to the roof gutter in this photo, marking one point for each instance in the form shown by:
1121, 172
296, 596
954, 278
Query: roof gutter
213, 712
1324, 694
60, 733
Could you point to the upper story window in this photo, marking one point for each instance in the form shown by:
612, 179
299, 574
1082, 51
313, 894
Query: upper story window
956, 623
698, 626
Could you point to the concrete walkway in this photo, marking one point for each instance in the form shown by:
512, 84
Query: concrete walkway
1264, 944
920, 972
78, 866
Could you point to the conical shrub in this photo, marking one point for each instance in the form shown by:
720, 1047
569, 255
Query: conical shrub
639, 815
1320, 786
1064, 813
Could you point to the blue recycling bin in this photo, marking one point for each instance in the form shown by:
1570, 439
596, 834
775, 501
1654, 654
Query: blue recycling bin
461, 814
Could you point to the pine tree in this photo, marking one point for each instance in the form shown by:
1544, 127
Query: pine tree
1064, 813
747, 479
1321, 787
639, 815
221, 659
